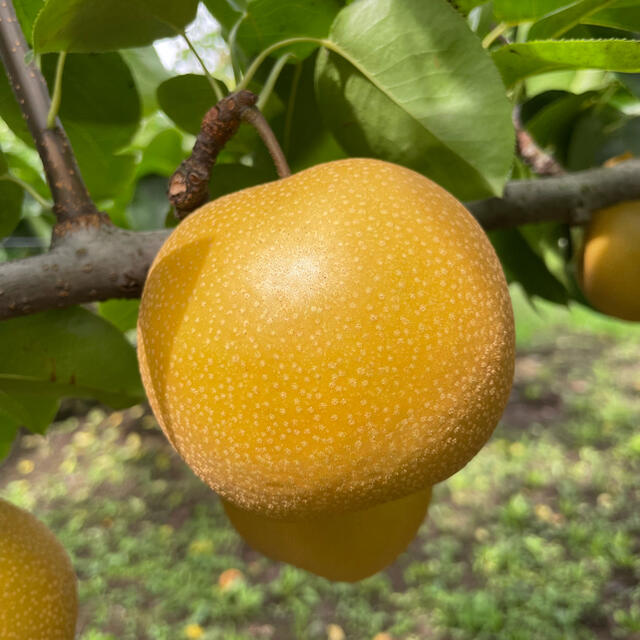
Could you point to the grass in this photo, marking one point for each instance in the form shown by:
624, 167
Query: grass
537, 538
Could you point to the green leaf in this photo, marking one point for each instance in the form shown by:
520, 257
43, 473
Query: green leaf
8, 432
515, 11
600, 135
69, 352
559, 22
266, 22
123, 314
623, 14
27, 12
464, 6
85, 26
148, 73
522, 264
100, 111
185, 99
33, 411
552, 125
11, 196
10, 111
305, 139
521, 60
407, 81
22, 169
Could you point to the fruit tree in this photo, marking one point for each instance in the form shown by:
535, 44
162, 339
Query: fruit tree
327, 333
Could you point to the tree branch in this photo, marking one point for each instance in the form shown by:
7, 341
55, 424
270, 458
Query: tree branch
70, 196
102, 262
570, 198
93, 263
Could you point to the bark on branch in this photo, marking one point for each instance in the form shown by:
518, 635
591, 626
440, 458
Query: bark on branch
98, 263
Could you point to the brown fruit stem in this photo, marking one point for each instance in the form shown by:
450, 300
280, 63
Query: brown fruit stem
189, 185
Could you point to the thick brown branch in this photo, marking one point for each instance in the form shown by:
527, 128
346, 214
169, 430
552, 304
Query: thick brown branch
93, 263
69, 192
189, 185
570, 198
98, 262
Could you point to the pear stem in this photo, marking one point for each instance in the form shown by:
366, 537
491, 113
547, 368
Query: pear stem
189, 185
254, 117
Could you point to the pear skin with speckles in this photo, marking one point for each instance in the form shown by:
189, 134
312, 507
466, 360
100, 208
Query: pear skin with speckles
609, 262
346, 547
38, 592
329, 341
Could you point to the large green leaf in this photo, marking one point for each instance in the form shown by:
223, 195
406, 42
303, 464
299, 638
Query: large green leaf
465, 6
33, 411
521, 60
27, 12
100, 111
305, 138
69, 352
515, 11
8, 432
185, 99
85, 26
407, 81
559, 22
602, 134
551, 126
623, 14
522, 264
268, 21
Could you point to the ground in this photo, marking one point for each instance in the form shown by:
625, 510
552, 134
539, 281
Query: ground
537, 538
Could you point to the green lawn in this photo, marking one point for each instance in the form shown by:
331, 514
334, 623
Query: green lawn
537, 538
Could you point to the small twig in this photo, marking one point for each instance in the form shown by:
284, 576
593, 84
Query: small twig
494, 34
254, 117
542, 163
56, 97
43, 202
70, 196
189, 185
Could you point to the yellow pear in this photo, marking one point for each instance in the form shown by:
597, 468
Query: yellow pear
346, 546
38, 593
326, 342
610, 261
